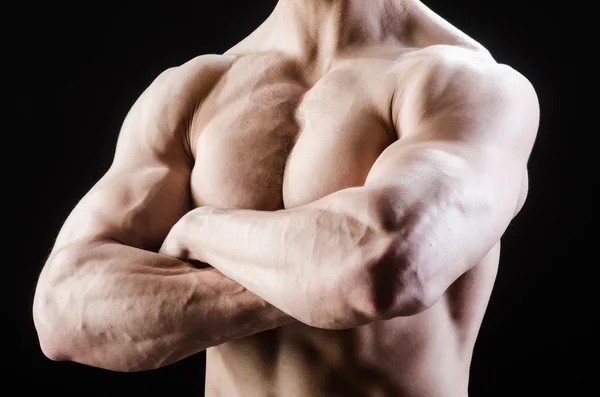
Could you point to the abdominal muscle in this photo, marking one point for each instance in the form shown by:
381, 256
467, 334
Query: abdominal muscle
267, 139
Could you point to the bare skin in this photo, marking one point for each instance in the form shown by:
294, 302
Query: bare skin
320, 208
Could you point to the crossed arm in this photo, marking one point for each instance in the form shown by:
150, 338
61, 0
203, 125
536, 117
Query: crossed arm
433, 204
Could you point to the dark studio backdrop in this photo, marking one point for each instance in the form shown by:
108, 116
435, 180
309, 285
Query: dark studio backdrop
76, 71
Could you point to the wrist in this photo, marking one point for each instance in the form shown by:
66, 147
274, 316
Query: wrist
191, 230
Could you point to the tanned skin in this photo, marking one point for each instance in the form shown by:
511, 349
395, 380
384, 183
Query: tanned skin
320, 208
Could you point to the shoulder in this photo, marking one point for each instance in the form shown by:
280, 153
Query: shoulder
197, 75
448, 82
463, 72
163, 111
184, 85
442, 70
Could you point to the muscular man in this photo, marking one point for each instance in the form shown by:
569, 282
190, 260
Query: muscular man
320, 208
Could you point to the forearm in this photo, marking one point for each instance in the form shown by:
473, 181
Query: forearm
309, 261
125, 309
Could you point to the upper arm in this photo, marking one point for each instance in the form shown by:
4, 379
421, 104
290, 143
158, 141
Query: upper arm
454, 179
146, 189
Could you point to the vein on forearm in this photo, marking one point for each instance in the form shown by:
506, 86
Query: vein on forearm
292, 258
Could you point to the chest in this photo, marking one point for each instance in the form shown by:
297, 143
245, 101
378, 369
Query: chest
266, 138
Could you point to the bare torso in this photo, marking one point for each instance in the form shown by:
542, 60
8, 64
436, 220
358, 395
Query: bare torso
273, 134
353, 166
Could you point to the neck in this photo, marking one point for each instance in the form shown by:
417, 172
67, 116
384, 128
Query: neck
318, 27
316, 31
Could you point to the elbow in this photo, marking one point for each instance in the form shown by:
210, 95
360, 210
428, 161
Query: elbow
392, 280
50, 307
60, 340
63, 321
60, 336
385, 287
47, 325
51, 349
49, 343
396, 286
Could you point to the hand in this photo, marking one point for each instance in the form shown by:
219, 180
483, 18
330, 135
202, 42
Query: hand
173, 245
177, 243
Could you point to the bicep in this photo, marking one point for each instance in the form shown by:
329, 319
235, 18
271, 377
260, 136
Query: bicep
444, 201
468, 126
454, 179
145, 191
133, 206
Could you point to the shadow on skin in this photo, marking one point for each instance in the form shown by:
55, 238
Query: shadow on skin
333, 356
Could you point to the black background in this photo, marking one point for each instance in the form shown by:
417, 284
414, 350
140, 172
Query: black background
73, 72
